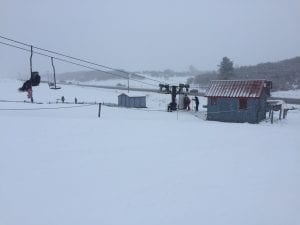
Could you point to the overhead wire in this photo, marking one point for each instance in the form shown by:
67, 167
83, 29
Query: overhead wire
74, 63
78, 59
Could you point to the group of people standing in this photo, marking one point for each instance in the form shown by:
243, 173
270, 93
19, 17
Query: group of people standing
63, 99
187, 102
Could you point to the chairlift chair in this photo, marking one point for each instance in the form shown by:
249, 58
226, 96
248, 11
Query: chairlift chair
34, 80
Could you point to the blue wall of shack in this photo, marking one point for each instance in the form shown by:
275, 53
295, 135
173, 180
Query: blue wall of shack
227, 110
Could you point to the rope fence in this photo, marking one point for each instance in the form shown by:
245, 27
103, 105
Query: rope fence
45, 108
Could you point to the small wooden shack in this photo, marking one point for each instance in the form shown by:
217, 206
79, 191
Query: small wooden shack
237, 100
131, 101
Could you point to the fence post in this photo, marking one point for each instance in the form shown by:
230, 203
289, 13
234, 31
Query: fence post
272, 115
285, 113
280, 113
99, 111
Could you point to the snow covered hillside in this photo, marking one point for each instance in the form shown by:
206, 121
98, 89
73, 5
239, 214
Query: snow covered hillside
141, 166
287, 94
149, 82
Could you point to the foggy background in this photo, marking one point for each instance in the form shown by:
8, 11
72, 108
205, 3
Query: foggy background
138, 35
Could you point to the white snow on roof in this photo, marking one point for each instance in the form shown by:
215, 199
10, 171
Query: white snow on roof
132, 95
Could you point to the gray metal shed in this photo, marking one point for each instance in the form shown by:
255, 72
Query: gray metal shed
131, 101
237, 100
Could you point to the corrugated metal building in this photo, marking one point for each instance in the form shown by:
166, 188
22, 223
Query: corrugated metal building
237, 100
124, 100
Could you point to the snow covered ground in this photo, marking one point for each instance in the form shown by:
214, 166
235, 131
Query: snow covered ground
287, 94
67, 166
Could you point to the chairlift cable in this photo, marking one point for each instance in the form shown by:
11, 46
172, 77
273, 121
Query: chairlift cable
74, 63
78, 59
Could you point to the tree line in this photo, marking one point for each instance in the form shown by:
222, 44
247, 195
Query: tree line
284, 74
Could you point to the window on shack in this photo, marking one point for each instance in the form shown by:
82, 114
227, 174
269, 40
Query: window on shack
213, 101
242, 103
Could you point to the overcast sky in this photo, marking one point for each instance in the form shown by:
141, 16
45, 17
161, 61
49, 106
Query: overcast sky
150, 34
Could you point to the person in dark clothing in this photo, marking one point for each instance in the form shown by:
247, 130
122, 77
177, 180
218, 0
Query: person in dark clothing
169, 107
75, 100
196, 99
186, 102
62, 99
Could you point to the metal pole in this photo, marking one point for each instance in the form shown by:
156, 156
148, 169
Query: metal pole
178, 106
128, 83
99, 111
31, 53
53, 72
31, 91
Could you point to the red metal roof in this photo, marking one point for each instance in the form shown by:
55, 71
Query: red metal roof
235, 88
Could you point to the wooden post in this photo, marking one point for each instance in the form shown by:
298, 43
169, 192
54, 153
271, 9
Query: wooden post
280, 113
272, 115
99, 111
285, 113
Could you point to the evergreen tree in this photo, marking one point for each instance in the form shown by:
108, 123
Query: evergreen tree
225, 69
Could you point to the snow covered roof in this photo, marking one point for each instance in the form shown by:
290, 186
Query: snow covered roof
235, 88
